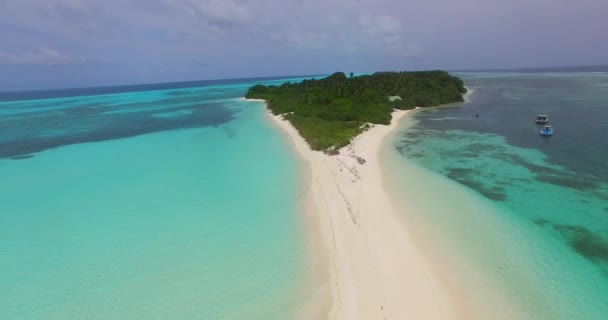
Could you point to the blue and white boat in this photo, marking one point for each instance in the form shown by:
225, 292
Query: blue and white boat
546, 131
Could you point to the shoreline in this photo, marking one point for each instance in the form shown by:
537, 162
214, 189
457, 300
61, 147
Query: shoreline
374, 267
467, 96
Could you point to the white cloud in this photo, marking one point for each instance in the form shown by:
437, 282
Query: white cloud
42, 56
382, 33
213, 12
386, 33
350, 34
380, 25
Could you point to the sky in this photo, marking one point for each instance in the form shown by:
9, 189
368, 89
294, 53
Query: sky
74, 43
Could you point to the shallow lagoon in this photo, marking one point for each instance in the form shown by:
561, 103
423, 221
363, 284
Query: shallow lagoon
153, 204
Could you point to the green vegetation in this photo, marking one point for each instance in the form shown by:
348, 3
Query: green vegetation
331, 111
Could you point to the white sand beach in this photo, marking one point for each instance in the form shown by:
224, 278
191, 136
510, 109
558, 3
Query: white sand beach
375, 269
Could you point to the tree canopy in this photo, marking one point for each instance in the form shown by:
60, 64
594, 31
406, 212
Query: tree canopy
329, 112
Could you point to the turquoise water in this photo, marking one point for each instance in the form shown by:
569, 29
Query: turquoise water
147, 205
531, 211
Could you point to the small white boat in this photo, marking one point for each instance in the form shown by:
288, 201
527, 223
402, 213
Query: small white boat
546, 131
542, 119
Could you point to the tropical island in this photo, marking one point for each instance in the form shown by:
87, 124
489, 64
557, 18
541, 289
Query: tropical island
329, 112
373, 269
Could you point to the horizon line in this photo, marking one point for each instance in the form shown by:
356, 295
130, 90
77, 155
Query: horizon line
499, 69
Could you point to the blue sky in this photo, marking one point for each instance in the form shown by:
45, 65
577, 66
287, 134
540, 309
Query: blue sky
68, 43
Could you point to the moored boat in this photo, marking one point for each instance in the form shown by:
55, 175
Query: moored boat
546, 131
542, 119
